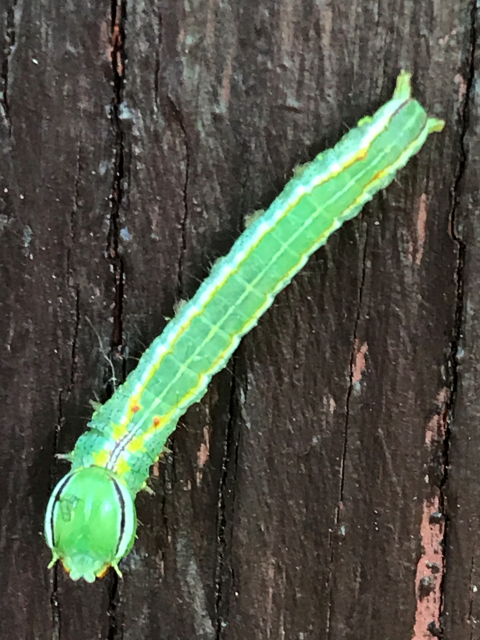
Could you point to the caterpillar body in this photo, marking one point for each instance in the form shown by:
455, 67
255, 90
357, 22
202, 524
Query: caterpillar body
90, 521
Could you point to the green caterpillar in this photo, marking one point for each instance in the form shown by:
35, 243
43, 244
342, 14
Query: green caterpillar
90, 522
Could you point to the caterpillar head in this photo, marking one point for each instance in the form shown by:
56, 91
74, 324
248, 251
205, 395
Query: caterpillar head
90, 522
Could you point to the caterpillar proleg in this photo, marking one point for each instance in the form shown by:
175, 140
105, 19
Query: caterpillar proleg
90, 521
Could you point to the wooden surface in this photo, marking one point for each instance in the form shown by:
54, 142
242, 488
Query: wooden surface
327, 485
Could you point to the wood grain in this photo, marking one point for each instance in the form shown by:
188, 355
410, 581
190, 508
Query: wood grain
298, 497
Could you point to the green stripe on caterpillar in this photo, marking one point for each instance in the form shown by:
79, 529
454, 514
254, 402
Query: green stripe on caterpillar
90, 521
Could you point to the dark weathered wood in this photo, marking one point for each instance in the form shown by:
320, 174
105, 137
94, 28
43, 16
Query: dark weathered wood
462, 579
297, 500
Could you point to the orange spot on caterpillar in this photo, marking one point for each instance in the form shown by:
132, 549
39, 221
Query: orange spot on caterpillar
379, 175
363, 153
135, 408
158, 423
104, 571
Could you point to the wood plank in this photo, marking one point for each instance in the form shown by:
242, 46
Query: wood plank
135, 138
462, 496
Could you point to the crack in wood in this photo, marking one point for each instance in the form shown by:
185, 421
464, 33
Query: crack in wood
118, 67
186, 210
352, 381
228, 477
5, 72
113, 624
455, 344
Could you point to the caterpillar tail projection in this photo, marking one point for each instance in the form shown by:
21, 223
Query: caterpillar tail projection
90, 521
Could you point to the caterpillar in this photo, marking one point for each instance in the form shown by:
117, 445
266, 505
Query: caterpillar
90, 521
